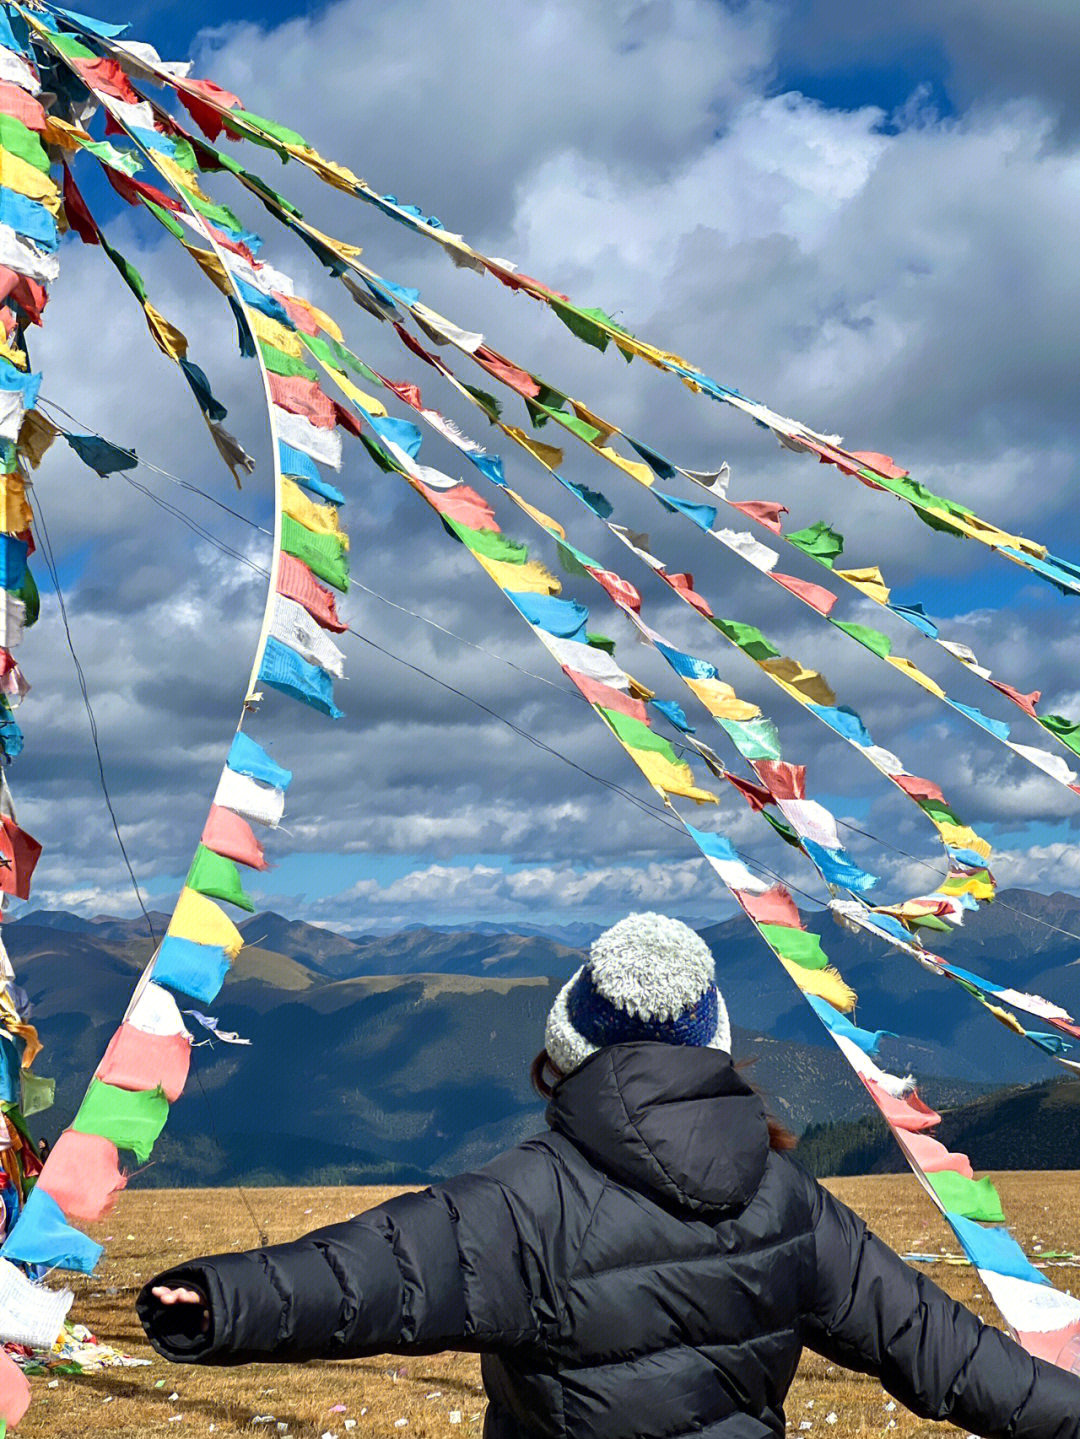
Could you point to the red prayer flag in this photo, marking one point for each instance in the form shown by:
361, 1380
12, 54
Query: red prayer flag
346, 419
405, 391
28, 294
296, 582
19, 853
816, 595
133, 190
78, 216
755, 795
909, 1113
412, 343
620, 590
301, 396
1026, 702
229, 834
299, 314
783, 780
685, 585
138, 1061
932, 1157
766, 512
106, 75
1057, 1346
598, 693
462, 504
504, 370
16, 102
775, 906
917, 787
82, 1174
14, 1391
884, 464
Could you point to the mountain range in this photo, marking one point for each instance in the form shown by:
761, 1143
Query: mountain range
397, 1057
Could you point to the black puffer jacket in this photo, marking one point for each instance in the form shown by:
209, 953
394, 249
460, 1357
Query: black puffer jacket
649, 1269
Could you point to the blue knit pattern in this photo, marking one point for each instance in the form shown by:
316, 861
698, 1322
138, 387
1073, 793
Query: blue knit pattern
601, 1022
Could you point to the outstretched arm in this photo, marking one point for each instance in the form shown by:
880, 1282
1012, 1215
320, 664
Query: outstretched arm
873, 1313
400, 1277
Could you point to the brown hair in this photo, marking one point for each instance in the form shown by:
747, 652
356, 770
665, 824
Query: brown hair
545, 1074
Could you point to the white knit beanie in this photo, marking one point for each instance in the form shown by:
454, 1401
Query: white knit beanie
647, 977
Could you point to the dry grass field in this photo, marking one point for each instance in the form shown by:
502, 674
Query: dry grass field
440, 1397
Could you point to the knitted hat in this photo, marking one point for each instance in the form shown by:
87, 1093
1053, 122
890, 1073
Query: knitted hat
647, 977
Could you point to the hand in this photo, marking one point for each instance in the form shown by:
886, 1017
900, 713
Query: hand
182, 1296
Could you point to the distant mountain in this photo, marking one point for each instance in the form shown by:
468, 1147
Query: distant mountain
391, 1057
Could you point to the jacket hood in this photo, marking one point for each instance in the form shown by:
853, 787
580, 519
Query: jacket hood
672, 1121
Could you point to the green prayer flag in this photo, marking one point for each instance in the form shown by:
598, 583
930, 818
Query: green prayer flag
219, 215
971, 1198
385, 462
1067, 730
873, 639
28, 593
212, 874
69, 47
324, 555
600, 642
937, 522
488, 403
18, 139
584, 431
748, 638
108, 154
754, 739
271, 128
163, 217
38, 1093
819, 541
132, 278
582, 323
490, 543
938, 810
279, 363
783, 829
131, 1119
798, 946
635, 734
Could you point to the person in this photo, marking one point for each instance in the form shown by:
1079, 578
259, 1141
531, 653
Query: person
650, 1267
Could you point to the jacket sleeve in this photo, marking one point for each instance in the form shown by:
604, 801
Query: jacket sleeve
872, 1312
407, 1276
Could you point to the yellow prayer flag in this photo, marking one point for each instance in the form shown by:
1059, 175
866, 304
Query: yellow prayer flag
10, 1020
825, 983
913, 672
977, 885
639, 472
340, 247
36, 434
169, 340
721, 700
340, 176
547, 454
980, 529
639, 691
538, 515
530, 578
1010, 1021
804, 684
669, 778
12, 353
203, 922
177, 175
273, 332
16, 174
320, 519
962, 836
211, 267
67, 137
15, 511
870, 580
353, 392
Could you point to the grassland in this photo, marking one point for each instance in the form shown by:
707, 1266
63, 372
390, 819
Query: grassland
439, 1397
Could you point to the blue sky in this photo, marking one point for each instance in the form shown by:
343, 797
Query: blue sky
862, 219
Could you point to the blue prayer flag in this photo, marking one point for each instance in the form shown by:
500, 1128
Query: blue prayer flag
195, 969
246, 757
285, 670
43, 1236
